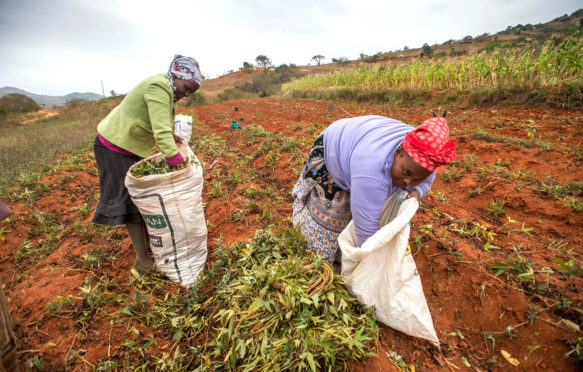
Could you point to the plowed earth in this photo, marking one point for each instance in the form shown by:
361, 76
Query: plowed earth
489, 208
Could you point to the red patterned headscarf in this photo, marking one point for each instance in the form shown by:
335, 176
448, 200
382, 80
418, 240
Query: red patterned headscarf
429, 144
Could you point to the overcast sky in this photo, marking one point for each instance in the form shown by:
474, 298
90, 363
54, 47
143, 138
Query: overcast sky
56, 47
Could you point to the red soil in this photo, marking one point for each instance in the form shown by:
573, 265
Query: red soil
464, 296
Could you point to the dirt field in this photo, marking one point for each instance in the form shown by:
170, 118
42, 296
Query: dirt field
513, 201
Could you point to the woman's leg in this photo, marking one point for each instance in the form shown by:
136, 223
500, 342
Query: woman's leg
141, 242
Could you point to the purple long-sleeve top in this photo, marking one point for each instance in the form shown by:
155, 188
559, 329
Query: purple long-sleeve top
359, 153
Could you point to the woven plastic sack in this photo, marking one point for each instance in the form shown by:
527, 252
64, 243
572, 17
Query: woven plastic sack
382, 271
183, 126
171, 205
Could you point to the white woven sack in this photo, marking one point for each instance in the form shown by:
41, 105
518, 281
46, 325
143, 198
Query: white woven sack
382, 273
171, 205
183, 126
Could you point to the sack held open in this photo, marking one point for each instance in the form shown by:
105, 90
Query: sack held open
382, 271
171, 206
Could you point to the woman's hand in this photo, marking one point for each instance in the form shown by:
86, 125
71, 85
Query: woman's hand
413, 194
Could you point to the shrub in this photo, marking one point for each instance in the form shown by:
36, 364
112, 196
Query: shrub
573, 94
18, 103
269, 81
373, 58
231, 94
344, 59
493, 45
484, 37
195, 99
454, 53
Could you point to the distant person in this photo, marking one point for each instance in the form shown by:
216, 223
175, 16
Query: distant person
355, 165
128, 134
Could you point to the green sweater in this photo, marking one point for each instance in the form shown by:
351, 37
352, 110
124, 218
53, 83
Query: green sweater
144, 118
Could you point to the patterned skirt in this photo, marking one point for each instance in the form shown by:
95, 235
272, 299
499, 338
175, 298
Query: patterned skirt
320, 208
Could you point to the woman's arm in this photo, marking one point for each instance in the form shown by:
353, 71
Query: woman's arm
159, 102
367, 196
423, 187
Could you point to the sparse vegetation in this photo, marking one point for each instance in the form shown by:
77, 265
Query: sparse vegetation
40, 143
497, 247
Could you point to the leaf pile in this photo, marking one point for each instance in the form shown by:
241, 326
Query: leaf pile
157, 166
278, 306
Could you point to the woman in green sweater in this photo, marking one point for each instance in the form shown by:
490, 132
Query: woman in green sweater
128, 134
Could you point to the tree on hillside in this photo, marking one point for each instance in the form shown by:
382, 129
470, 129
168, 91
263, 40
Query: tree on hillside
113, 93
427, 51
263, 61
247, 67
318, 58
340, 60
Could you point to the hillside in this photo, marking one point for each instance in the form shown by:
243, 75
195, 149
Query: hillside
45, 100
512, 36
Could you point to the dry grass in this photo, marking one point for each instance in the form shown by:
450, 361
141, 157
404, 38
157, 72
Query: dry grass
30, 146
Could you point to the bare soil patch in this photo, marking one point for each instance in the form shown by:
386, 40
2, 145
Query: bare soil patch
489, 208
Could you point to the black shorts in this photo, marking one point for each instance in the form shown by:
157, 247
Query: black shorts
115, 205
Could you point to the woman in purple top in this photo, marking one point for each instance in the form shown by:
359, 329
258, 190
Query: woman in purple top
355, 165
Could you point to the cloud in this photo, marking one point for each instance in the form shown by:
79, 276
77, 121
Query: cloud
72, 24
59, 46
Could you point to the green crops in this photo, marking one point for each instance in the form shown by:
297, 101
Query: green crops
552, 63
157, 166
279, 307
